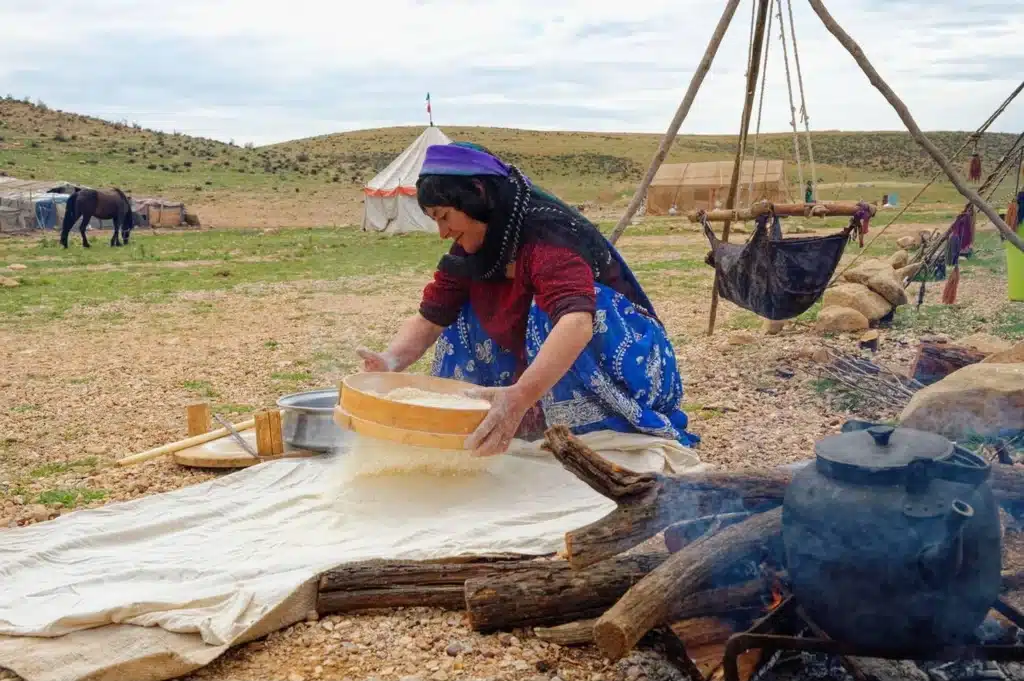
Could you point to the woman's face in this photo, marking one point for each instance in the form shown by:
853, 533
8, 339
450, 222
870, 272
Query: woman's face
455, 225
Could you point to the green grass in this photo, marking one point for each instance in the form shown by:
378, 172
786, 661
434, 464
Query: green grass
70, 498
57, 280
51, 469
202, 388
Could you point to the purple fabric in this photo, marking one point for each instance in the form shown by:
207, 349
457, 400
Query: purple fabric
457, 159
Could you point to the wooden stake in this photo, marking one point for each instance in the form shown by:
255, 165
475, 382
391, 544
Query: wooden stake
276, 439
198, 417
862, 61
677, 120
748, 106
264, 438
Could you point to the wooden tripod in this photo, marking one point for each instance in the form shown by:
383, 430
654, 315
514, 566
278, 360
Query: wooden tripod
756, 48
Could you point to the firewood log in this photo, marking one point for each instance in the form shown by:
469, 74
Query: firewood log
649, 502
935, 361
552, 593
649, 603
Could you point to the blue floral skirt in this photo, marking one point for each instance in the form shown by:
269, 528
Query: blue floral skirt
626, 379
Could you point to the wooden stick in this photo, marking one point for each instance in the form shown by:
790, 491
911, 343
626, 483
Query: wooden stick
684, 108
580, 632
197, 415
858, 55
816, 210
264, 437
649, 603
748, 105
183, 444
276, 438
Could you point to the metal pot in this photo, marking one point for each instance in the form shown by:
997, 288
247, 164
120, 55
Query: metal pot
892, 538
307, 420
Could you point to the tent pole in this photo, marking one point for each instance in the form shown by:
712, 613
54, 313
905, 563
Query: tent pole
677, 120
748, 105
858, 55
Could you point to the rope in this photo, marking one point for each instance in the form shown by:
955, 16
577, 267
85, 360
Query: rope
760, 104
792, 107
803, 100
984, 126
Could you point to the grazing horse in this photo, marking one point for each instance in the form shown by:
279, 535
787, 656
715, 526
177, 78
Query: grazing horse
104, 204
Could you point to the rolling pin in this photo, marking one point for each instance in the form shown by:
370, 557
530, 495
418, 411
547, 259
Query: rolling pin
184, 444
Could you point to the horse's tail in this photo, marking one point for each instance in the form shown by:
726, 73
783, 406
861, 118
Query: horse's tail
129, 216
69, 211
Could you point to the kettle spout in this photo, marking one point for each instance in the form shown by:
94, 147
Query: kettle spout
942, 560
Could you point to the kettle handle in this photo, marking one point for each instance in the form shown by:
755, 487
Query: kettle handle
963, 467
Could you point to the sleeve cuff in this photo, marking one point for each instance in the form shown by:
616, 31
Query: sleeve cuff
438, 314
571, 304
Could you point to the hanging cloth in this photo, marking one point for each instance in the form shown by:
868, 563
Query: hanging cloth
773, 277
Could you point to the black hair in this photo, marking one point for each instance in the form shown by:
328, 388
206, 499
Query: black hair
474, 196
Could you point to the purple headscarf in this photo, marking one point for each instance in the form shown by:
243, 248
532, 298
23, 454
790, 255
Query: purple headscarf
461, 158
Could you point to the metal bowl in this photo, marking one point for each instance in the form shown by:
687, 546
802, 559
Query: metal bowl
307, 420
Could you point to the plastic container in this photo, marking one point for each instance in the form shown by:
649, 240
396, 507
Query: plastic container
1015, 269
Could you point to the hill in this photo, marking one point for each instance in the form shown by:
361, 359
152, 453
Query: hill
318, 180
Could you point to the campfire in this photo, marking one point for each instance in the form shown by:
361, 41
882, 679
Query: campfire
885, 549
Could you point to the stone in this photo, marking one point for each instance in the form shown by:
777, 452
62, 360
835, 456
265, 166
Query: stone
979, 399
453, 649
820, 356
865, 270
899, 259
839, 319
96, 450
742, 338
634, 672
890, 670
986, 343
312, 616
887, 284
296, 677
771, 327
9, 283
520, 665
906, 242
1014, 355
908, 272
327, 625
858, 297
38, 513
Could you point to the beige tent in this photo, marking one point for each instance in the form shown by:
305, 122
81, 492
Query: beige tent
389, 202
691, 186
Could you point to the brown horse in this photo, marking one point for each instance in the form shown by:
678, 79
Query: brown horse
103, 204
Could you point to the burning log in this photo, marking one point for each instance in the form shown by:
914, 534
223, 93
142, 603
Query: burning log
649, 502
649, 602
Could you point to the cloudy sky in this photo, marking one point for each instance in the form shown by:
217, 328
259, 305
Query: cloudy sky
260, 71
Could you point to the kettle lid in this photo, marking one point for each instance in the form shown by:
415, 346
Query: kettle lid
878, 450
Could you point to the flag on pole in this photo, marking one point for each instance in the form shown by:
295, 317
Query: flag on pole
430, 113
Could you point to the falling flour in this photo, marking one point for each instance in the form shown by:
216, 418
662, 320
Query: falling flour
365, 456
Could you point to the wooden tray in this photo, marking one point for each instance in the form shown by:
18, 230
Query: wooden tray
226, 453
366, 413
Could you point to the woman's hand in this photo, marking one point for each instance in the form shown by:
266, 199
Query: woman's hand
495, 432
377, 361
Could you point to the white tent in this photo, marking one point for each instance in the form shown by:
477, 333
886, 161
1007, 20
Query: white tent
389, 201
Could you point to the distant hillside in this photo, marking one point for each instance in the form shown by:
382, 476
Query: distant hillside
318, 179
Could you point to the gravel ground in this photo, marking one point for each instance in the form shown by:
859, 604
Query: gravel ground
114, 379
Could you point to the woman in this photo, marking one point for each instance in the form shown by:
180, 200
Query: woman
533, 304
